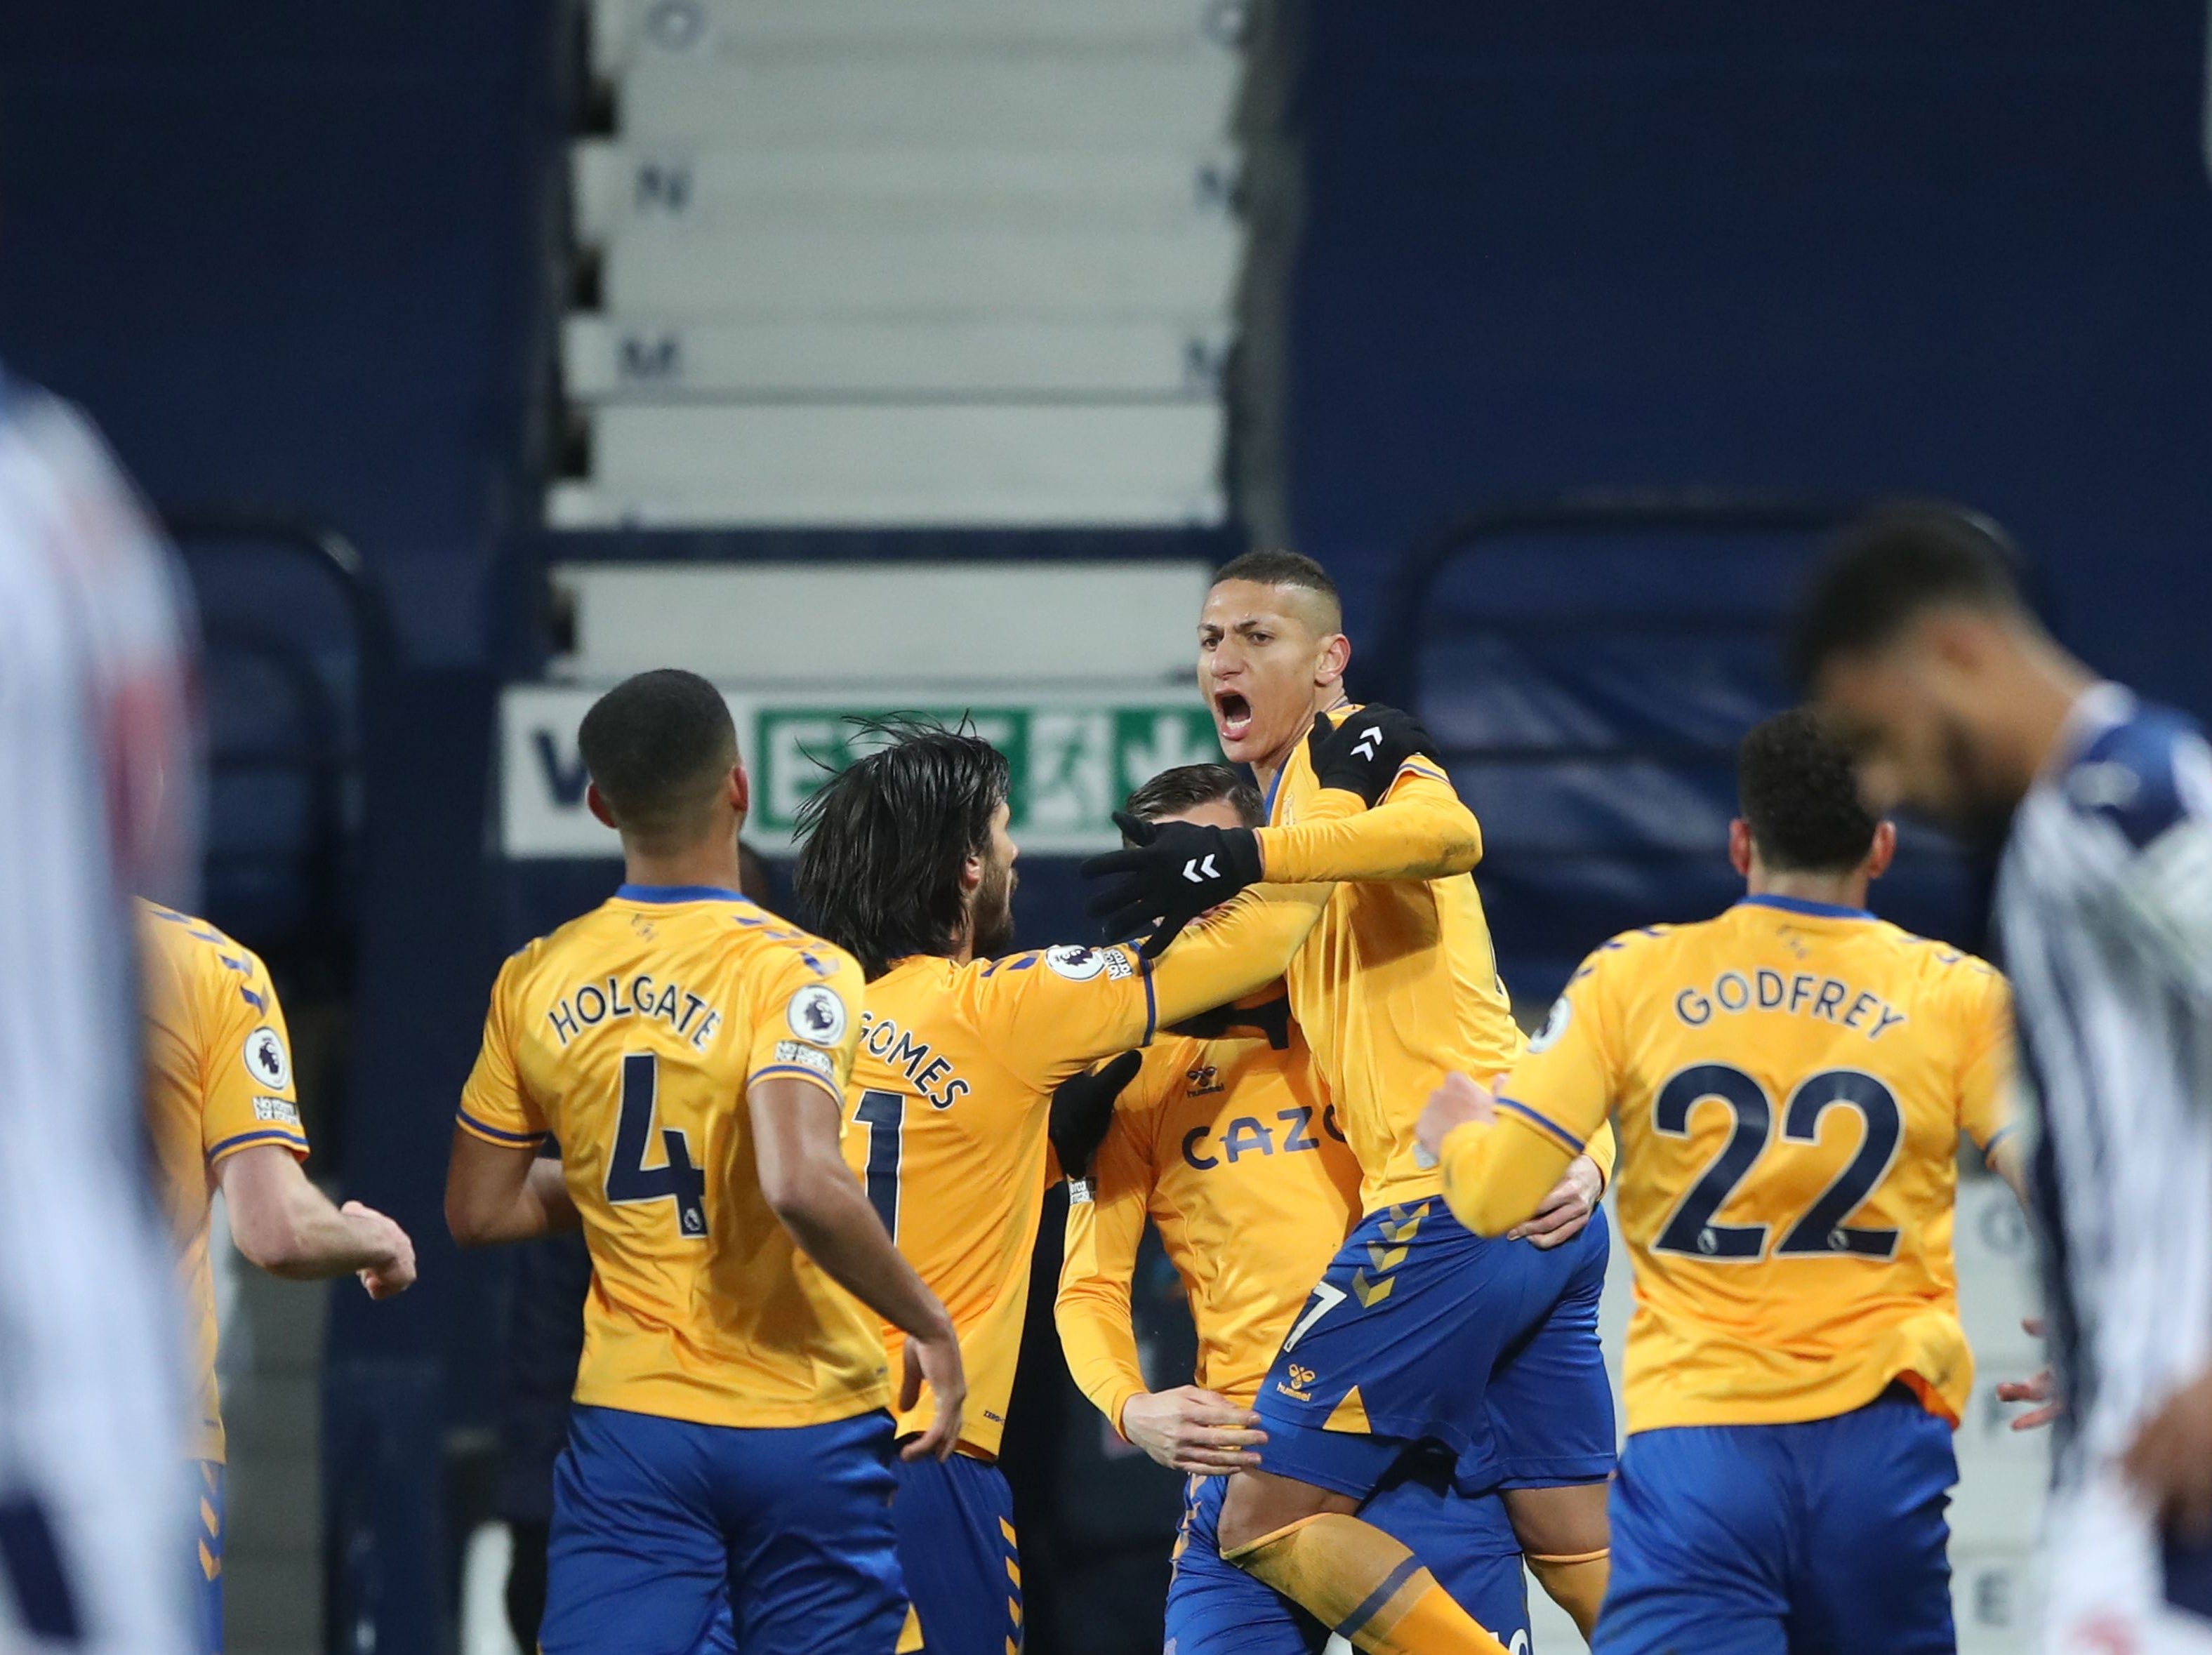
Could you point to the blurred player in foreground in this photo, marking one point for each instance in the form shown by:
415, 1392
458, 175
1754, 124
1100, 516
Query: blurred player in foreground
98, 770
1226, 1142
689, 1052
1418, 1331
1790, 1080
223, 1113
908, 864
1916, 642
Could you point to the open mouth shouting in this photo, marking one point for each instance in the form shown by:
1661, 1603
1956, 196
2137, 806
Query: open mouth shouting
1232, 715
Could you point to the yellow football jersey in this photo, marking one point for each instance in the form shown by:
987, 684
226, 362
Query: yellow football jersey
218, 1079
950, 1095
1790, 1080
1229, 1146
630, 1036
1398, 985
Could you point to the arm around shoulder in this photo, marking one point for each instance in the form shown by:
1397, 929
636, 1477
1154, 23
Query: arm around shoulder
1421, 830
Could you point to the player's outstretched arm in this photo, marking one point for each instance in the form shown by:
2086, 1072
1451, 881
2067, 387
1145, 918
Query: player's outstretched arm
498, 1192
1421, 831
1236, 952
1498, 1167
1397, 820
286, 1226
804, 1177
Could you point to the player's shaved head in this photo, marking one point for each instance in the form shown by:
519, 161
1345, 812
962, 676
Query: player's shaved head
886, 839
1314, 595
1800, 796
1189, 786
659, 748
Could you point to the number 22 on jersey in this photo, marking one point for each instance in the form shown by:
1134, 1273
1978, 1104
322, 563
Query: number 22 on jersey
1820, 1230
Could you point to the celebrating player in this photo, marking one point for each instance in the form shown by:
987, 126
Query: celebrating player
689, 1052
908, 864
1227, 1142
221, 1112
1418, 1330
1918, 643
1790, 1080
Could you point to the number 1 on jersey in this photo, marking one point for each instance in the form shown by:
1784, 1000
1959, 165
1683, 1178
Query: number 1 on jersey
883, 1113
630, 1179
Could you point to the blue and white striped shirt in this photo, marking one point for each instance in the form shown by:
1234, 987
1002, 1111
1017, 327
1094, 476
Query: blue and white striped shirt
2104, 906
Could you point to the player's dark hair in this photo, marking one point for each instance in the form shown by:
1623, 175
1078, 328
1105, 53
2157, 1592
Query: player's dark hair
1281, 568
1800, 794
1187, 786
886, 837
657, 746
1884, 572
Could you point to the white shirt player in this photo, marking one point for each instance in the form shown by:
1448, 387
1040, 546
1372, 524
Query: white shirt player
93, 732
2105, 911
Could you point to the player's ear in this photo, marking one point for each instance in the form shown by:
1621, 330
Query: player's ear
741, 789
596, 803
1335, 656
1740, 847
1961, 641
1883, 850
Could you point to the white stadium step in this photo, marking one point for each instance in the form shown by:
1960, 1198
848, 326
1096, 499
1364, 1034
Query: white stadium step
1008, 464
606, 358
794, 271
579, 505
624, 29
616, 185
949, 99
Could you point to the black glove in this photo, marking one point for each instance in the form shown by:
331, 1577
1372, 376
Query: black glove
1170, 873
1083, 1108
1363, 754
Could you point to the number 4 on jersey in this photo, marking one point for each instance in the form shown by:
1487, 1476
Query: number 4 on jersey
629, 1180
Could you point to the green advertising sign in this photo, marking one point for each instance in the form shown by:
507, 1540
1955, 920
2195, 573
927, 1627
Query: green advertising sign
1074, 757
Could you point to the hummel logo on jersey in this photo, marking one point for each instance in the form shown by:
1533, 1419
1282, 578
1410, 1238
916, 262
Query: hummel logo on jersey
1370, 740
1198, 870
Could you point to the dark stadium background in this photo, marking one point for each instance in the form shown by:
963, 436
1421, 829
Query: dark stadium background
1639, 296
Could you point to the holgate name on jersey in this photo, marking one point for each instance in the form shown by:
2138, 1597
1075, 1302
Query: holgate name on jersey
1804, 994
589, 1005
931, 1076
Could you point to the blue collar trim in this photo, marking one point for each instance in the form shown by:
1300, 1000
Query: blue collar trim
677, 894
1799, 905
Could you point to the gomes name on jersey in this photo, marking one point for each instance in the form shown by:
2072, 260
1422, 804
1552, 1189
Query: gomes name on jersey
588, 1005
931, 1076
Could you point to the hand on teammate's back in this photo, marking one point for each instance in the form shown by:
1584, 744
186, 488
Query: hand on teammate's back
1198, 1432
935, 1358
1566, 1211
395, 1273
1363, 754
1083, 1108
1168, 875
